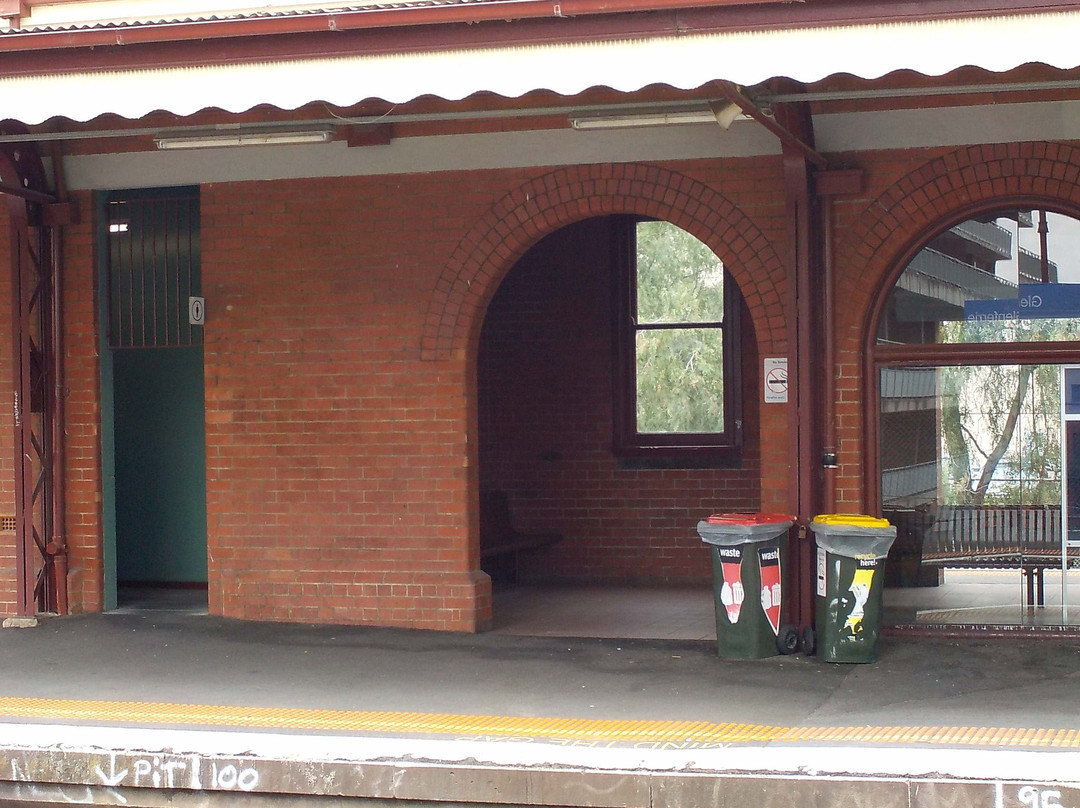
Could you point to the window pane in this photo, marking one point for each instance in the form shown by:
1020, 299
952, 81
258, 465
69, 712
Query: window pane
983, 281
680, 380
679, 279
961, 435
972, 478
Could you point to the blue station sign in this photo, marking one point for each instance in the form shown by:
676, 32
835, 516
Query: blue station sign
1034, 301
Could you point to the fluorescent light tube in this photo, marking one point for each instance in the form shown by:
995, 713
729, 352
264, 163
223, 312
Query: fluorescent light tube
215, 141
644, 119
723, 116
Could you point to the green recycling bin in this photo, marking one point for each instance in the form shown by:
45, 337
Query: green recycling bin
748, 554
851, 550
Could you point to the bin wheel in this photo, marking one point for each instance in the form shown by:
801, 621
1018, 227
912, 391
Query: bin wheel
808, 641
787, 639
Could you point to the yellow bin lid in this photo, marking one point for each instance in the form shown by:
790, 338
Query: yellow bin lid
851, 520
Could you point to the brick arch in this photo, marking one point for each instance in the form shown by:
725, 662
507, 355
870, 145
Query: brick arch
567, 195
897, 223
949, 188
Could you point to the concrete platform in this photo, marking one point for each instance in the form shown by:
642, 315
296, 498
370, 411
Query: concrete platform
171, 708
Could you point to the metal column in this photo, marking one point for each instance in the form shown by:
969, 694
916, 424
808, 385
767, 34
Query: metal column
35, 265
804, 341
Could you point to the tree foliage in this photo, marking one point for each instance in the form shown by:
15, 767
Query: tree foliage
680, 365
1000, 424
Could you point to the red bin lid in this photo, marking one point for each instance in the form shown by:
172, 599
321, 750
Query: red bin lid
740, 518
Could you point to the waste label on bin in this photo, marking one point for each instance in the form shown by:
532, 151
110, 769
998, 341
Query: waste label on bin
861, 584
769, 563
821, 567
731, 593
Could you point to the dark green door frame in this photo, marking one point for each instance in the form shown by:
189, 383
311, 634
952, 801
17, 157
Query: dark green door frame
152, 395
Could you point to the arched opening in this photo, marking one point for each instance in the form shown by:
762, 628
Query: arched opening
612, 370
973, 435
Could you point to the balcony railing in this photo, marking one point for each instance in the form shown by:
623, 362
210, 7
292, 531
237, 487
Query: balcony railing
1030, 268
987, 235
975, 282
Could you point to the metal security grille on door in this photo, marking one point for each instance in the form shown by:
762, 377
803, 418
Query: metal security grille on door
153, 272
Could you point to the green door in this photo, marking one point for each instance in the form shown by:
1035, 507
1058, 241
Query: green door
153, 399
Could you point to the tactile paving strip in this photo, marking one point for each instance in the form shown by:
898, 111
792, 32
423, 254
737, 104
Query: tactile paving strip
607, 732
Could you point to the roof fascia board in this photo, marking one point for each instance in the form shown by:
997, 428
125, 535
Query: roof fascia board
324, 31
843, 136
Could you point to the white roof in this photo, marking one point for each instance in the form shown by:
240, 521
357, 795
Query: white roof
746, 58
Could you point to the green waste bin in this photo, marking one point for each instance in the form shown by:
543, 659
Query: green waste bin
748, 554
851, 551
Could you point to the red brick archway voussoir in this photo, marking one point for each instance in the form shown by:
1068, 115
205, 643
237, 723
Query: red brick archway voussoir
567, 195
949, 185
897, 222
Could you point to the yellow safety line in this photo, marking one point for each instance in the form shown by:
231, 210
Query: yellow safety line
575, 730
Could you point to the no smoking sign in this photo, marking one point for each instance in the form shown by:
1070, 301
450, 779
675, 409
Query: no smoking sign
775, 380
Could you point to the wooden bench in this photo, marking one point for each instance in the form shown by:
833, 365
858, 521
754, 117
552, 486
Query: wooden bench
501, 544
1027, 537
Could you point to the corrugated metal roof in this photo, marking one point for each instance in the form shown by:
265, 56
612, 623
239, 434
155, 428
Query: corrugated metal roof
102, 14
567, 68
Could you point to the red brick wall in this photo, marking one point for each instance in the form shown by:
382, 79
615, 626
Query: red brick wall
82, 406
909, 197
343, 318
342, 459
545, 431
336, 459
363, 477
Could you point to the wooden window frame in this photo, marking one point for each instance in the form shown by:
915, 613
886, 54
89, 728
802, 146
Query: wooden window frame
628, 441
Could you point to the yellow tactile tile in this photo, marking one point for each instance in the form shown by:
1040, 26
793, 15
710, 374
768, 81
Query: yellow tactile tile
629, 732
